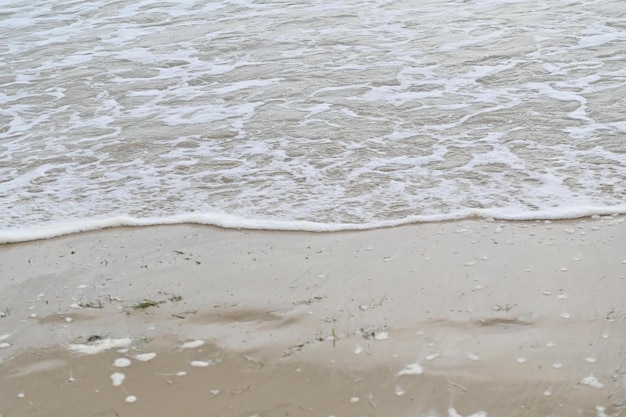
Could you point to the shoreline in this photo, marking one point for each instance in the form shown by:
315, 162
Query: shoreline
227, 222
474, 316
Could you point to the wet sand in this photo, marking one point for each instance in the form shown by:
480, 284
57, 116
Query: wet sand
445, 319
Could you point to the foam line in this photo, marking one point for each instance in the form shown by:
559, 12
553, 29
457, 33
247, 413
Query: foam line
233, 222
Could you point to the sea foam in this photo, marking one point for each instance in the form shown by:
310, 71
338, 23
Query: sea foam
347, 116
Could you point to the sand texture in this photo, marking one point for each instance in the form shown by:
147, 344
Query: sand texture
468, 318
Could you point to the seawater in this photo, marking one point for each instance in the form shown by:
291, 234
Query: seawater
330, 115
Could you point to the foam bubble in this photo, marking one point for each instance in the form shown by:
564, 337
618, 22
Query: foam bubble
117, 378
145, 357
192, 344
592, 381
121, 362
411, 369
453, 413
204, 364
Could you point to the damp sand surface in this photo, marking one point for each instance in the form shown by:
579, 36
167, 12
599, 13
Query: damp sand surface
470, 318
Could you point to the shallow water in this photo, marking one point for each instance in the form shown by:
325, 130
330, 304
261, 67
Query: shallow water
344, 114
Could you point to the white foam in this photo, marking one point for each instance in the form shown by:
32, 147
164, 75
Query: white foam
117, 379
121, 362
240, 85
453, 413
192, 344
411, 369
204, 364
592, 381
100, 345
381, 335
234, 222
145, 357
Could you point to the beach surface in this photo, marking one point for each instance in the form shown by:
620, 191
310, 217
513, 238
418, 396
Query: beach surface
464, 318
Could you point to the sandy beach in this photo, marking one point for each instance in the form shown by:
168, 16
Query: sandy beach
467, 318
